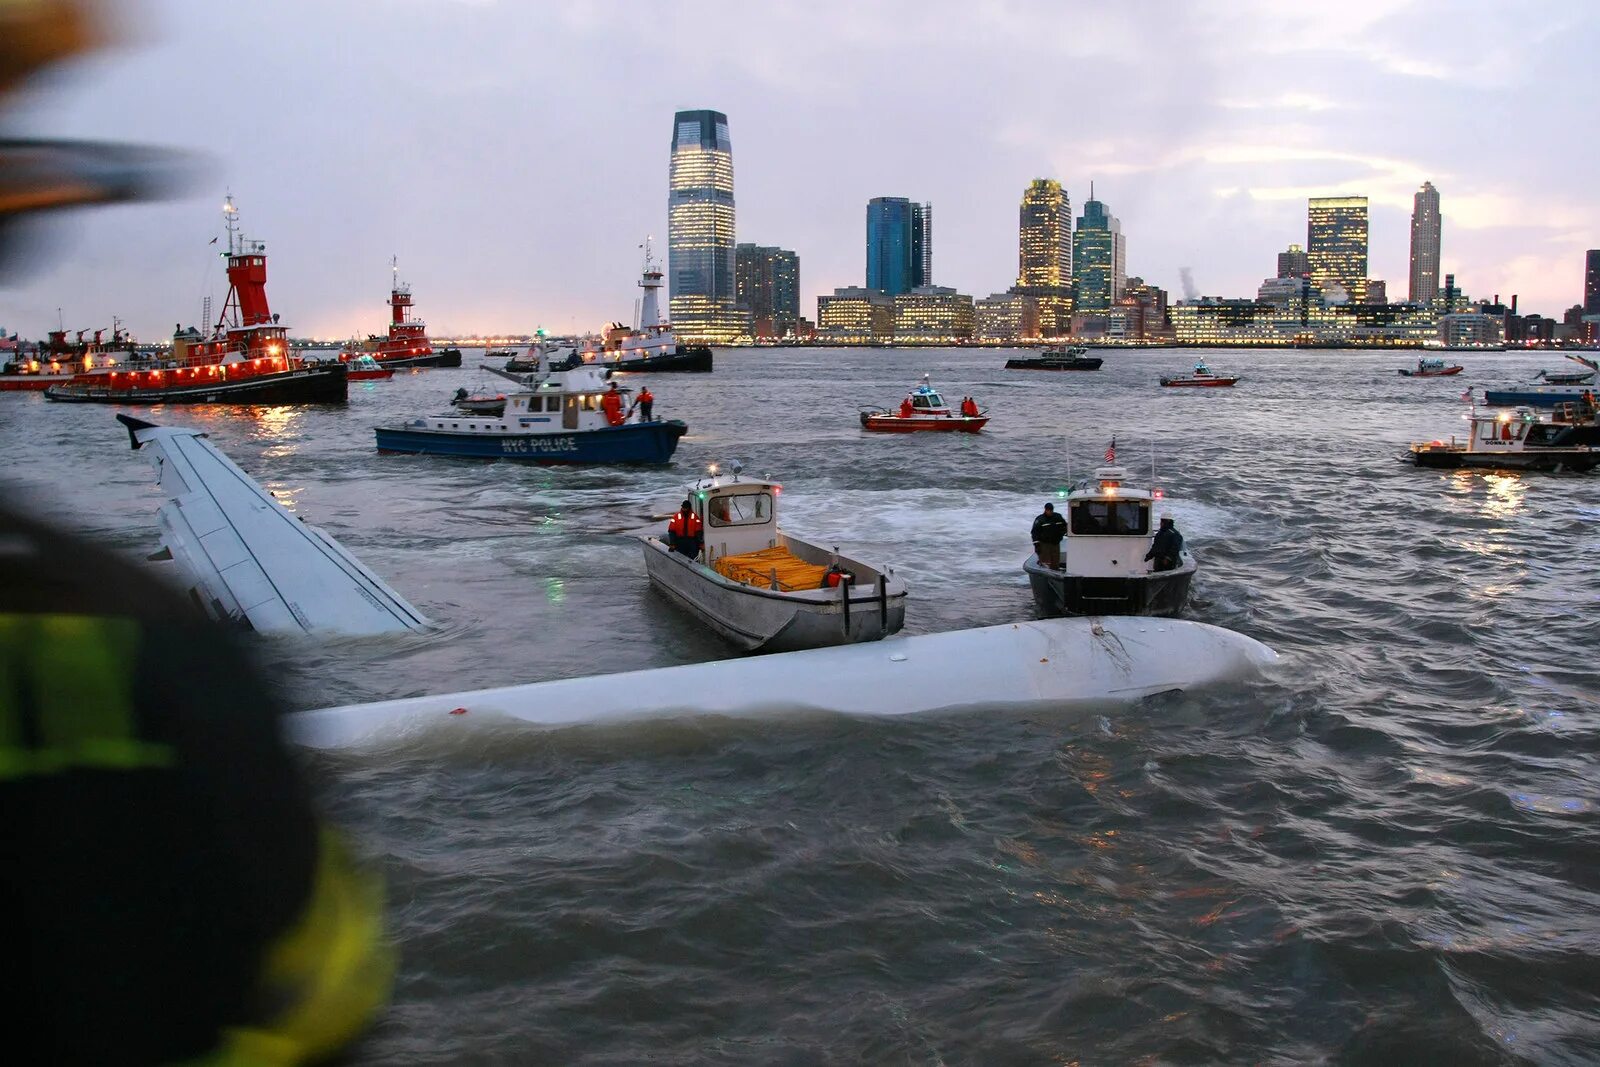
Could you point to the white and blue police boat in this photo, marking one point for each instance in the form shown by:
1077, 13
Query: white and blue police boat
557, 417
763, 589
1111, 527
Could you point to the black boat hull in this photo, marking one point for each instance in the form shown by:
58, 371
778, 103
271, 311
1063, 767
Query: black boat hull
692, 359
326, 384
1042, 363
1576, 460
1160, 593
442, 357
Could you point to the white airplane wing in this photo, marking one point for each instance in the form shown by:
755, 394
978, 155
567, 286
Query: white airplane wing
245, 557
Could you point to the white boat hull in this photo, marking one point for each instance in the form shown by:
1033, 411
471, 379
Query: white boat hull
1051, 665
761, 620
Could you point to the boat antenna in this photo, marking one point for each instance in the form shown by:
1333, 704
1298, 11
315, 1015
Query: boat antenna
1152, 464
230, 215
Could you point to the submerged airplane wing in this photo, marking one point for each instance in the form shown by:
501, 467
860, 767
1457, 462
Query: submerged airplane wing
246, 557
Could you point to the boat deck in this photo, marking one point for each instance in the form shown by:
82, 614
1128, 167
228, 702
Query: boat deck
759, 568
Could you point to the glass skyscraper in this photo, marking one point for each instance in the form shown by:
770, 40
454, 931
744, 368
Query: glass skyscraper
899, 245
1044, 254
1425, 227
1099, 258
700, 261
1336, 243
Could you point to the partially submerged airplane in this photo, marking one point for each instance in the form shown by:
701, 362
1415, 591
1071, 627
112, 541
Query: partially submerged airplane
247, 559
1046, 665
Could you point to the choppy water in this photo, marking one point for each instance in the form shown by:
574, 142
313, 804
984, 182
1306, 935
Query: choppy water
1389, 852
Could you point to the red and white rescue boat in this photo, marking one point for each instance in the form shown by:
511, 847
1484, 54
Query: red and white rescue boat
924, 409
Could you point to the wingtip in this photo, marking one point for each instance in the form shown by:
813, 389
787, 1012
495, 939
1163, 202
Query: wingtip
134, 426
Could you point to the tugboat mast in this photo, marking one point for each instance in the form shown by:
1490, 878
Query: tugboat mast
649, 309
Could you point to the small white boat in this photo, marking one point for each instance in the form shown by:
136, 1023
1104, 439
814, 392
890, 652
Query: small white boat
765, 590
1110, 529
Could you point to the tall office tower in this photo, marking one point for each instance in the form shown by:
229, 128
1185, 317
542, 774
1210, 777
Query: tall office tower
1336, 242
700, 229
1425, 226
767, 281
1044, 254
1591, 282
899, 244
1099, 258
1294, 263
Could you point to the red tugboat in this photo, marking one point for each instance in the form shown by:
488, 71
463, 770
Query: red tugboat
407, 344
61, 360
924, 409
246, 359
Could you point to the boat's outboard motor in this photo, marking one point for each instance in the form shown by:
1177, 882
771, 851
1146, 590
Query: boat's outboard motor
461, 394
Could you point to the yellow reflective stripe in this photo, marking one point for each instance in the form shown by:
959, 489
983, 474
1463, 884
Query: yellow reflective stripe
77, 672
332, 972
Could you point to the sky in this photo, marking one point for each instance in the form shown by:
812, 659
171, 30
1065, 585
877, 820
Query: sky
514, 154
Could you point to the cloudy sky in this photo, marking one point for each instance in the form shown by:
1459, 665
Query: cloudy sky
513, 154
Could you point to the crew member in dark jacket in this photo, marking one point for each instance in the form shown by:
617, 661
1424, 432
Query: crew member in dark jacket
1048, 530
1168, 544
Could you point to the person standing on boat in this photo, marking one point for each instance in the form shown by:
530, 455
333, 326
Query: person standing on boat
969, 407
611, 404
1048, 530
1167, 546
683, 532
905, 408
646, 401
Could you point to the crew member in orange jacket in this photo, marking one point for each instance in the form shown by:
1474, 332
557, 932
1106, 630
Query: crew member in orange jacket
683, 532
905, 408
646, 401
611, 404
969, 407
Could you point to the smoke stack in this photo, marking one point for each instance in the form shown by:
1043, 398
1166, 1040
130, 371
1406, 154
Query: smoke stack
1513, 303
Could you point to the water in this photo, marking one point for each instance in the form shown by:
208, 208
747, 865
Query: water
1387, 852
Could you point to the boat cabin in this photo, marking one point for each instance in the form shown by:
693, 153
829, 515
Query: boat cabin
558, 402
1110, 525
1430, 363
739, 514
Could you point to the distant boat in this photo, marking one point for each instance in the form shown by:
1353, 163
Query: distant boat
366, 369
923, 410
1519, 440
652, 346
1202, 377
406, 344
1571, 377
1430, 367
1075, 358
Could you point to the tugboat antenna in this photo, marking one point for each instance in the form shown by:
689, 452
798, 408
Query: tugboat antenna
230, 215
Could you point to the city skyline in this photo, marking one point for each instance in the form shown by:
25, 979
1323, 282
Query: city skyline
1207, 153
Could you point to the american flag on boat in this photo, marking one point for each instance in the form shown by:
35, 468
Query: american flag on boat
1111, 451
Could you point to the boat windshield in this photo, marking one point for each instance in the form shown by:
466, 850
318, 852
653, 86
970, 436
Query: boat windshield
1111, 517
745, 509
927, 400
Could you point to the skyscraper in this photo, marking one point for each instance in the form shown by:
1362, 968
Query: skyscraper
700, 229
1099, 258
1591, 282
1294, 263
767, 281
899, 244
1425, 227
1336, 243
1044, 254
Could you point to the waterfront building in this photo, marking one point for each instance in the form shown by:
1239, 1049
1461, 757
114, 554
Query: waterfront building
1008, 317
1210, 321
1336, 244
1044, 254
855, 316
1286, 292
1425, 229
1151, 321
899, 244
1099, 259
932, 314
700, 256
1474, 328
767, 285
1591, 282
1377, 291
1294, 263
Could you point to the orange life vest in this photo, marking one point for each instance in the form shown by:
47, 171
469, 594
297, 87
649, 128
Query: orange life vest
684, 525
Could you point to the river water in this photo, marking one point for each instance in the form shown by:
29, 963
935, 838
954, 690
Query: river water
1388, 851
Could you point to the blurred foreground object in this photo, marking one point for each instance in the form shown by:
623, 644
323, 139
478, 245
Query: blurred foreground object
170, 893
42, 175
